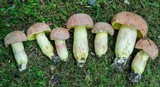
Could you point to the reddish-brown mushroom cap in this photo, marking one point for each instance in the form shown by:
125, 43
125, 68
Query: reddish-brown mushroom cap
132, 20
15, 36
80, 19
37, 28
148, 46
103, 27
59, 34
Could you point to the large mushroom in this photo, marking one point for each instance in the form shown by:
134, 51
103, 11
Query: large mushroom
80, 22
60, 35
37, 31
102, 29
147, 49
15, 38
130, 26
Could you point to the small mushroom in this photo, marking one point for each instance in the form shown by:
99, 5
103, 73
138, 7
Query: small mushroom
101, 39
147, 49
80, 22
15, 38
37, 31
60, 35
130, 26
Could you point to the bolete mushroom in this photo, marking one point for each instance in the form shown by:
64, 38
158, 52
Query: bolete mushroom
80, 22
130, 26
15, 38
147, 49
101, 39
60, 35
37, 31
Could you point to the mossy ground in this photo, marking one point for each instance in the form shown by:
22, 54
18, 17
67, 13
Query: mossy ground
98, 71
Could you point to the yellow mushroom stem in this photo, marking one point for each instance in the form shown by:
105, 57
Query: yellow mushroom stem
101, 43
61, 49
20, 55
45, 46
80, 45
124, 46
138, 65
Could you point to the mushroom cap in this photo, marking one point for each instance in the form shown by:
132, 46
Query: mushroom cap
37, 28
80, 19
15, 36
148, 46
103, 27
59, 34
132, 20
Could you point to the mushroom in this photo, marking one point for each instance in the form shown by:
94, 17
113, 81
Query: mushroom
130, 27
101, 39
60, 35
15, 38
147, 49
80, 22
37, 31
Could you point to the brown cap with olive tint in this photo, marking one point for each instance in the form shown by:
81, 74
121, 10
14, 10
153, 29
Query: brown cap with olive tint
80, 19
59, 34
15, 36
132, 20
148, 46
37, 28
103, 27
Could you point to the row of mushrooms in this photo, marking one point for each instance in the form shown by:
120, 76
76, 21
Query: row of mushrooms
130, 27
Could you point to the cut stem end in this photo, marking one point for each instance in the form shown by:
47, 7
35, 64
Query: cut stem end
55, 59
134, 77
22, 67
81, 63
119, 64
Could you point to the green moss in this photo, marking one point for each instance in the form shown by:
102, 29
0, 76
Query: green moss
97, 72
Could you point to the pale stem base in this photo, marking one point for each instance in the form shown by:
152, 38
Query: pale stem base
20, 55
61, 49
80, 45
101, 43
124, 46
45, 45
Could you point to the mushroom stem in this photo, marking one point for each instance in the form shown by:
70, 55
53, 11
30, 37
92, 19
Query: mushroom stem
45, 45
138, 66
101, 43
124, 46
20, 55
61, 49
80, 45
